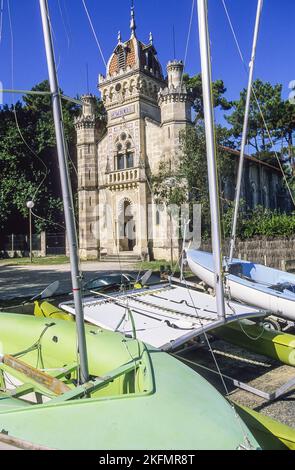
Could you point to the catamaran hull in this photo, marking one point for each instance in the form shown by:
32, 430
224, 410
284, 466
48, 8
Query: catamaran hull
171, 406
201, 264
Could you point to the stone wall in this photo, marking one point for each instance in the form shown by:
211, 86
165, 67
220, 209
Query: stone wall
277, 253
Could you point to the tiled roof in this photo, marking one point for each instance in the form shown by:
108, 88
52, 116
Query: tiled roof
130, 58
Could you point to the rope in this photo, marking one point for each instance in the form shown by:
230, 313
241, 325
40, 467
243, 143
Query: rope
249, 336
258, 105
94, 33
229, 299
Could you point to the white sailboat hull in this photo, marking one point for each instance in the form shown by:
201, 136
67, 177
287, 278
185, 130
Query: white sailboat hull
257, 291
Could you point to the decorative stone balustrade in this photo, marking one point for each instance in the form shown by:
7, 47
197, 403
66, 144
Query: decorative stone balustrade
122, 179
123, 176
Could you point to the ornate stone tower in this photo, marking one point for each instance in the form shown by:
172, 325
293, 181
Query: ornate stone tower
145, 113
130, 95
87, 135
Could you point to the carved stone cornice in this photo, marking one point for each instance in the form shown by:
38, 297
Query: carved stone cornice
175, 95
85, 122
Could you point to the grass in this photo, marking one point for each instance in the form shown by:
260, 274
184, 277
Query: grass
153, 265
156, 266
48, 260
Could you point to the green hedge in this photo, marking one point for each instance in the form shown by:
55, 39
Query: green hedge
261, 222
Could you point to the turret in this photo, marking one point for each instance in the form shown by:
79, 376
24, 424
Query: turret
175, 71
86, 129
88, 106
174, 100
87, 135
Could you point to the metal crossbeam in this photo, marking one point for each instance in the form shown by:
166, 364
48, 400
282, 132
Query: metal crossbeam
42, 93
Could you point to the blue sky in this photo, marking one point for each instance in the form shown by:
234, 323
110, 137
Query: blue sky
75, 45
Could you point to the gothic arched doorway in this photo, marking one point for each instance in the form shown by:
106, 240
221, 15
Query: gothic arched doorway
127, 228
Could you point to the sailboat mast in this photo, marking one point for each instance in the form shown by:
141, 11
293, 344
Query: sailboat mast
211, 154
245, 132
66, 190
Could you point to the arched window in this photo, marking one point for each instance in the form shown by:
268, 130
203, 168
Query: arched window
129, 160
124, 157
120, 161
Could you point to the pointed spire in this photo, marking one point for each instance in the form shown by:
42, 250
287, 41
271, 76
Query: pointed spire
119, 37
132, 22
151, 39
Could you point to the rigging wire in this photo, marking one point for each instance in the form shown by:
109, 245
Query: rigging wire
67, 18
70, 158
1, 19
20, 131
206, 338
47, 220
187, 41
64, 24
258, 104
94, 33
14, 107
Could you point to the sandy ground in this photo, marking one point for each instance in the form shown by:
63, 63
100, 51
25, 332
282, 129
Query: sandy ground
25, 281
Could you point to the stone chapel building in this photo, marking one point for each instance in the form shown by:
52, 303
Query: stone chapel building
145, 114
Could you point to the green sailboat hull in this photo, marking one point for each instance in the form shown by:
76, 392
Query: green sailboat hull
269, 433
159, 404
275, 344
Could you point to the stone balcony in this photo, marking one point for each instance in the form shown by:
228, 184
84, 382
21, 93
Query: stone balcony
127, 178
